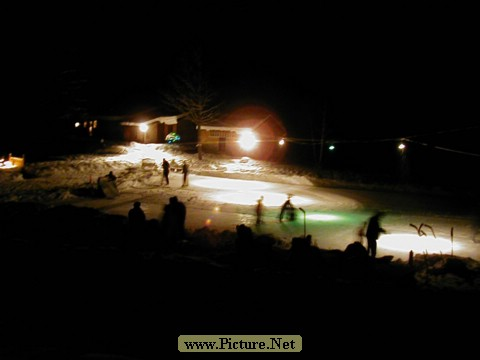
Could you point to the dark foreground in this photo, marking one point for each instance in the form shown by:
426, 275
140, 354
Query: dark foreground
79, 284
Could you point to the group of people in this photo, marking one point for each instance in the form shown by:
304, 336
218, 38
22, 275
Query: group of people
166, 172
286, 211
175, 213
107, 185
370, 229
172, 223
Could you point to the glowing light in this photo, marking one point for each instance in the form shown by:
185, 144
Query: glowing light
208, 222
419, 244
331, 147
322, 217
281, 142
401, 146
143, 127
77, 124
247, 140
216, 209
11, 162
6, 165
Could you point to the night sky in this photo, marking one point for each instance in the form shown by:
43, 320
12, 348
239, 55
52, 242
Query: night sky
374, 72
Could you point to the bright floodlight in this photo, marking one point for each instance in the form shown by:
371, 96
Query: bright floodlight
281, 142
247, 140
143, 127
401, 146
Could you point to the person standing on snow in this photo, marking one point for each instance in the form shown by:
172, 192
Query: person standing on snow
259, 210
373, 233
166, 171
173, 221
361, 232
185, 171
287, 209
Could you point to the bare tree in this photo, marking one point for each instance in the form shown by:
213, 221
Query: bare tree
192, 96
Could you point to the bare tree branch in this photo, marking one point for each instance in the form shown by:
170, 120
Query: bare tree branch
191, 93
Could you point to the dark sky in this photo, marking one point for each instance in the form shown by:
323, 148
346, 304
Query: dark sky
380, 71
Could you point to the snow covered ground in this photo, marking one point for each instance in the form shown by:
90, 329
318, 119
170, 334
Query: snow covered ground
223, 193
138, 167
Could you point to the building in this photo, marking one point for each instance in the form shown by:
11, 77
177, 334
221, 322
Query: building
154, 130
249, 131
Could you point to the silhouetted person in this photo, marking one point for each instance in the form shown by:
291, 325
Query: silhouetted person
185, 171
111, 176
107, 185
361, 232
173, 221
244, 241
287, 209
136, 216
373, 233
166, 171
259, 210
182, 216
410, 258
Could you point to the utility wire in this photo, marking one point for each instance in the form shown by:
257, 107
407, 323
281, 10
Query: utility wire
406, 138
443, 148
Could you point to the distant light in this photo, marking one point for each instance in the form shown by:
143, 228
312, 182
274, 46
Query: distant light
281, 142
401, 146
216, 209
77, 124
331, 147
247, 140
143, 127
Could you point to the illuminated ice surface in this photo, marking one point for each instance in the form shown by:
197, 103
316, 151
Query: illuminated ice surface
418, 244
229, 196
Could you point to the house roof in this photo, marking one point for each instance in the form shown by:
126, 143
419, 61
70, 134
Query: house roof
256, 118
169, 120
225, 128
